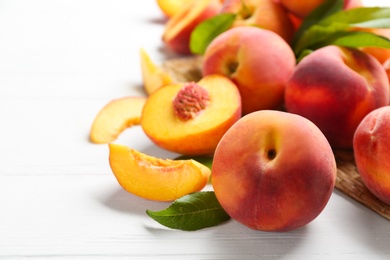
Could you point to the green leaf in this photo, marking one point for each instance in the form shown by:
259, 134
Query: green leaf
206, 31
321, 12
366, 17
192, 212
361, 39
205, 160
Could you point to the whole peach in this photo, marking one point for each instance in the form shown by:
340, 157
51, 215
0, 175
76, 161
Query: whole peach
178, 29
263, 13
372, 149
335, 87
303, 8
258, 61
273, 171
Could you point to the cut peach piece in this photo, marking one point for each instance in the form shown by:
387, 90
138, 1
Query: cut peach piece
154, 178
178, 29
172, 7
116, 116
190, 118
153, 76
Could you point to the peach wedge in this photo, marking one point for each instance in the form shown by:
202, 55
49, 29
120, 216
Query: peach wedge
115, 117
153, 76
190, 118
172, 7
153, 178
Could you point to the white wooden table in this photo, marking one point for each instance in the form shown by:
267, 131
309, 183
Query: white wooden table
60, 62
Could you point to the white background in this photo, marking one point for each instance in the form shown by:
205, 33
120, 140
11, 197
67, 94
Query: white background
60, 63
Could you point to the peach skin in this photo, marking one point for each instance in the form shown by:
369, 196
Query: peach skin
336, 87
371, 146
258, 61
178, 29
273, 171
265, 14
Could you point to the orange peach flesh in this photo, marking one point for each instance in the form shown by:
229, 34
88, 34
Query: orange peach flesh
115, 117
153, 76
154, 178
171, 7
199, 135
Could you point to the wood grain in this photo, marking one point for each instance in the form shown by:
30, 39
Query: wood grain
348, 179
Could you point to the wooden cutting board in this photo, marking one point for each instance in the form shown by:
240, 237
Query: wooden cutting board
348, 179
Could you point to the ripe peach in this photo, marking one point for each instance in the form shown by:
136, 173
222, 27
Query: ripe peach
371, 149
265, 14
336, 87
153, 76
172, 7
115, 117
154, 178
178, 29
303, 8
381, 54
273, 171
190, 118
258, 61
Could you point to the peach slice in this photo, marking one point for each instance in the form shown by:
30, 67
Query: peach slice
153, 76
178, 29
172, 7
190, 118
154, 178
114, 117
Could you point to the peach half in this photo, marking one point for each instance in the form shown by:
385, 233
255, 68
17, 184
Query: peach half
115, 117
153, 75
190, 118
178, 29
273, 171
372, 149
153, 178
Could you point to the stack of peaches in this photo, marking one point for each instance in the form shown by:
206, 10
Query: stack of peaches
269, 122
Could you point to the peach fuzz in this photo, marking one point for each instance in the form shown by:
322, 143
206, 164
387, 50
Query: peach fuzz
265, 14
303, 8
258, 61
154, 178
273, 171
372, 149
178, 29
336, 88
115, 117
190, 118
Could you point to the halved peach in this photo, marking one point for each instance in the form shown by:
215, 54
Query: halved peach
153, 75
154, 178
172, 7
115, 117
190, 118
178, 29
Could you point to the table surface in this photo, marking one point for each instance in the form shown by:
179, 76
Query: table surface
60, 63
